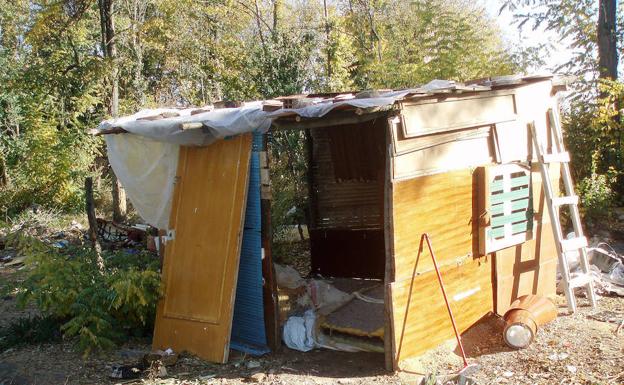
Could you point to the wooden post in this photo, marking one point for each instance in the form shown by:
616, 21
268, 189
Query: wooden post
90, 208
271, 305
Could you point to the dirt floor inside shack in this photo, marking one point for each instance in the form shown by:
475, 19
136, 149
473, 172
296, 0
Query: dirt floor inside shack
584, 348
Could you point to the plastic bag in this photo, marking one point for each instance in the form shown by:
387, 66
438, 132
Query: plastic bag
299, 332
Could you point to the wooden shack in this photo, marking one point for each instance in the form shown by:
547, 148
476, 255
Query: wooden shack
455, 163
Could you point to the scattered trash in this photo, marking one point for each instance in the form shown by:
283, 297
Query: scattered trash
323, 297
61, 244
160, 371
457, 379
523, 318
167, 357
17, 261
606, 269
571, 368
257, 377
288, 277
115, 232
299, 332
507, 374
607, 316
76, 226
126, 372
252, 364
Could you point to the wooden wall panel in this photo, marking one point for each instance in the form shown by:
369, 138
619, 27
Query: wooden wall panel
431, 116
441, 205
201, 263
529, 268
427, 324
468, 152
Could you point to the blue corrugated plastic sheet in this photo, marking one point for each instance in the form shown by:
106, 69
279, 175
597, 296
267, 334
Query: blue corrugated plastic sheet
248, 332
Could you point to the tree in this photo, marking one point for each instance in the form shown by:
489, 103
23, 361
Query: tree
403, 44
109, 48
593, 128
607, 39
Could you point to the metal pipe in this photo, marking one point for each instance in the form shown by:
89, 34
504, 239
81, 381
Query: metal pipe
425, 236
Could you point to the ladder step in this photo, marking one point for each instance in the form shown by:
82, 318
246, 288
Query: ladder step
558, 157
569, 200
573, 244
580, 280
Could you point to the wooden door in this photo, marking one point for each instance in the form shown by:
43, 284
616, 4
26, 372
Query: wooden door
201, 262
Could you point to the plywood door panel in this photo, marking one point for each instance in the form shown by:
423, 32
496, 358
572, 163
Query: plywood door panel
441, 205
201, 262
427, 324
435, 116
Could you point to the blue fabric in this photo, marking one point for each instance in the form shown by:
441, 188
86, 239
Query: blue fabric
248, 330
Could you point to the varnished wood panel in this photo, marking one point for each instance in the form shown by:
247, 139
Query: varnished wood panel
441, 205
201, 262
530, 268
420, 319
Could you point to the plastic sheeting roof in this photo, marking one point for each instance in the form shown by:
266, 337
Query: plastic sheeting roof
146, 162
220, 123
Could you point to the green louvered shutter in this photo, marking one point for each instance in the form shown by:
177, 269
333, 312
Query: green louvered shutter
507, 207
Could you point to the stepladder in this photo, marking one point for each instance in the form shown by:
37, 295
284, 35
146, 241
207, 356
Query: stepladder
575, 244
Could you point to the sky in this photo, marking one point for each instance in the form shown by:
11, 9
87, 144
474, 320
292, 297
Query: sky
527, 37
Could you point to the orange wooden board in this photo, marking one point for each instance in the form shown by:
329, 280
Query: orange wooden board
201, 263
441, 205
427, 325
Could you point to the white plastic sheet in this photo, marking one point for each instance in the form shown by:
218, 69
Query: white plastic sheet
221, 123
146, 169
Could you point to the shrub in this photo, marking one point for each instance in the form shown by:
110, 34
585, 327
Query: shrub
594, 134
102, 307
596, 194
33, 330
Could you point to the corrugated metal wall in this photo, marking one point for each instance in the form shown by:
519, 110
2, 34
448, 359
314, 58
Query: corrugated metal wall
248, 329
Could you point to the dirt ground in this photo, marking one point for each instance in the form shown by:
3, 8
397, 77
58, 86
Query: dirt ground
584, 348
573, 349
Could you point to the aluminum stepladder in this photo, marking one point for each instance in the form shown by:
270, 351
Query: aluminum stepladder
578, 243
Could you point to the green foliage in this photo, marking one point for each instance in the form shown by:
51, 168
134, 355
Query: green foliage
101, 307
50, 84
288, 180
31, 330
595, 137
596, 194
403, 44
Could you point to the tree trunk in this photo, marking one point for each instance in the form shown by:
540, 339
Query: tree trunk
4, 174
277, 9
109, 49
90, 208
119, 199
607, 43
328, 44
